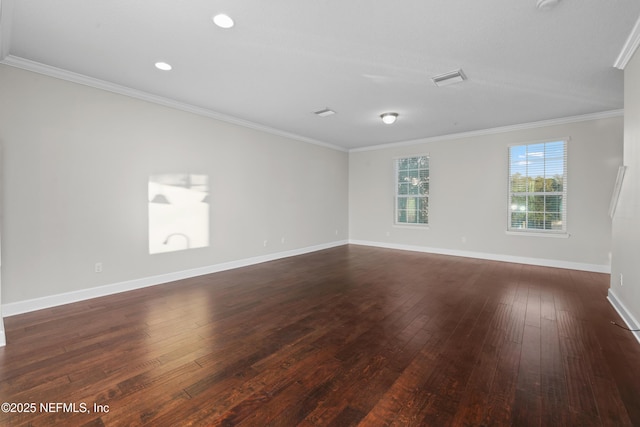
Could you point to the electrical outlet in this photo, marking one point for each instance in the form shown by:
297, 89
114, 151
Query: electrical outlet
98, 267
264, 243
282, 240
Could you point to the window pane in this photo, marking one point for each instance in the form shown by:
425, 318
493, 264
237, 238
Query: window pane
420, 202
558, 183
536, 221
412, 209
518, 203
518, 220
535, 167
423, 212
553, 221
554, 167
424, 187
423, 216
536, 204
553, 203
535, 151
518, 182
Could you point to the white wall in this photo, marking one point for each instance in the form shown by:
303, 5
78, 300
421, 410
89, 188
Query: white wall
468, 182
77, 161
76, 166
626, 224
3, 340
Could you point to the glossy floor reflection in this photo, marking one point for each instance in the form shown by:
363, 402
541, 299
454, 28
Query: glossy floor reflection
347, 336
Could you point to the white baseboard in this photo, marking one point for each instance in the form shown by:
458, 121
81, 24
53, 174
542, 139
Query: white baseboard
623, 311
494, 257
26, 306
3, 339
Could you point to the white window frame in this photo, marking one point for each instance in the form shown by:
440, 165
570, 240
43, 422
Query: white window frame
398, 196
557, 231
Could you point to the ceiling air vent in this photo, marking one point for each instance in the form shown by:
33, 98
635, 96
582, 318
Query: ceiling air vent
324, 113
449, 78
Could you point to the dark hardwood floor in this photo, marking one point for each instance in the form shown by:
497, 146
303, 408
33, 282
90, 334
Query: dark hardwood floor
347, 336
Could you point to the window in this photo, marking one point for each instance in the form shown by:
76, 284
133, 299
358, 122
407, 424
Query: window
412, 190
538, 187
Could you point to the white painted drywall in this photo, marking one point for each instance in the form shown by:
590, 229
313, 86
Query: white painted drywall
626, 223
77, 161
468, 198
3, 340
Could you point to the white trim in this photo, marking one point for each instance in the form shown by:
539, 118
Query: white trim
556, 234
493, 131
19, 307
625, 314
59, 73
493, 257
3, 338
47, 70
410, 226
629, 47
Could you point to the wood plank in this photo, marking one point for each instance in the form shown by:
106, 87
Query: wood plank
346, 336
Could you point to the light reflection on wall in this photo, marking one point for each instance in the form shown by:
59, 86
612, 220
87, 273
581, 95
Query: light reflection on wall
178, 212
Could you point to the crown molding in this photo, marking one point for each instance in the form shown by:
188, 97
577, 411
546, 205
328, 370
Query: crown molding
70, 76
82, 79
629, 47
493, 131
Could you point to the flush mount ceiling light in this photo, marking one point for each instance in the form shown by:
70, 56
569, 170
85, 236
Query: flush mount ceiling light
547, 4
389, 118
324, 113
163, 66
455, 76
223, 21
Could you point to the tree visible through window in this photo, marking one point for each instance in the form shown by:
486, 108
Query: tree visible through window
412, 190
537, 187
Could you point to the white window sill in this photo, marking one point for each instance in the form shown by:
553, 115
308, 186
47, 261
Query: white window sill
558, 235
412, 226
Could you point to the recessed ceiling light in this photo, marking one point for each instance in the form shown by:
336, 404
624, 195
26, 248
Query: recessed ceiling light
163, 66
389, 118
223, 21
324, 113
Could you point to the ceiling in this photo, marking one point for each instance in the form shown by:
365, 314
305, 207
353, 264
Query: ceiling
285, 59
